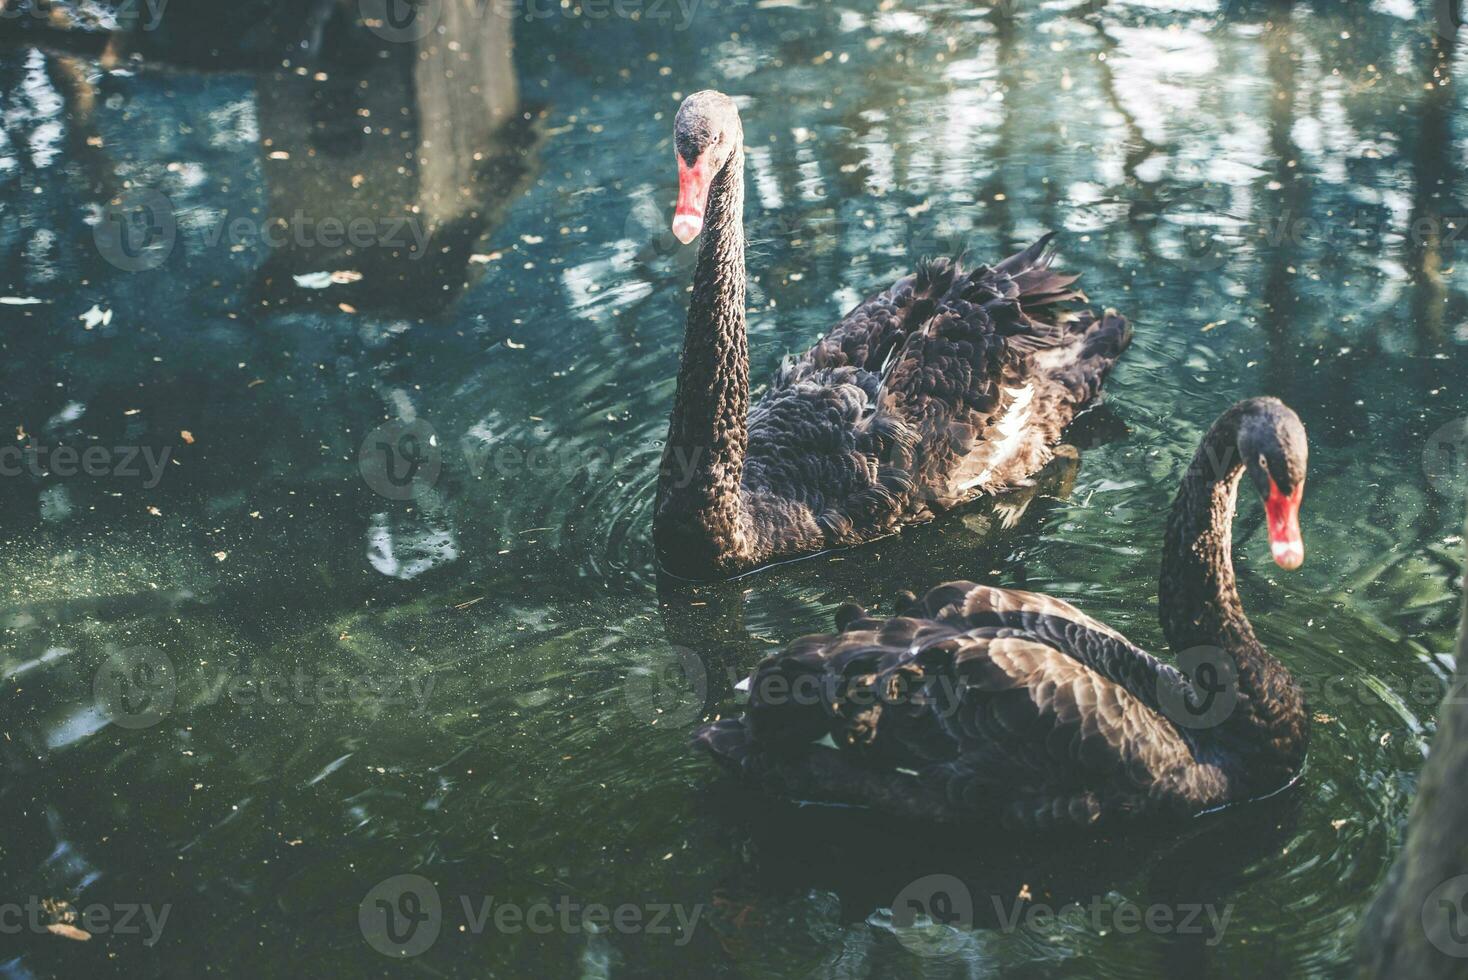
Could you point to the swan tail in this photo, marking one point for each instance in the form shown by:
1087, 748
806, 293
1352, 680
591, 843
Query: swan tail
1027, 278
1082, 365
728, 741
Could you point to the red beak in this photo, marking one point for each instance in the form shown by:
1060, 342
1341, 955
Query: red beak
1284, 526
693, 197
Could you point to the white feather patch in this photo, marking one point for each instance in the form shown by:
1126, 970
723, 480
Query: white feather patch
744, 684
1010, 431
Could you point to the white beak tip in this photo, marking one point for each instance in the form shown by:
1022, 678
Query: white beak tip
1288, 555
686, 227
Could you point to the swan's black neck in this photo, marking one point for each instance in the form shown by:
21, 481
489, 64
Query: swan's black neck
700, 524
1199, 606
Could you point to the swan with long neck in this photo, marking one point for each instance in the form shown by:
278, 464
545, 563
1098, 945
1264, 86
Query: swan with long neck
976, 701
947, 385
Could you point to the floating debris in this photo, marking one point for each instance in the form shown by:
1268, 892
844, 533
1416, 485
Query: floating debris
320, 280
67, 931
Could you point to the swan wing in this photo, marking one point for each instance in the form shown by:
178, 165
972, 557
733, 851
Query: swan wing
978, 700
946, 385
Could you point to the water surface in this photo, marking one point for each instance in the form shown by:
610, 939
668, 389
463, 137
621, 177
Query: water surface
476, 677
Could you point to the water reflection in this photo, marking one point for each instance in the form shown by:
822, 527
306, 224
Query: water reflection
974, 890
389, 161
539, 341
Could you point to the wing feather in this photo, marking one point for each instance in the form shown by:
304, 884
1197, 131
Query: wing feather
994, 699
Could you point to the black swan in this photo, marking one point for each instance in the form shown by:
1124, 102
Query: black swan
980, 702
945, 386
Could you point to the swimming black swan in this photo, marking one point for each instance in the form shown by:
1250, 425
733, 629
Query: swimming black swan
945, 386
984, 702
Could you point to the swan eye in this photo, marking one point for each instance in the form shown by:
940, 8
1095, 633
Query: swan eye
1263, 463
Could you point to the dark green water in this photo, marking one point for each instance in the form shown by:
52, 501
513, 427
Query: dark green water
478, 680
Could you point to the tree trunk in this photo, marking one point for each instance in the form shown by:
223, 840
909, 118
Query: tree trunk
1417, 926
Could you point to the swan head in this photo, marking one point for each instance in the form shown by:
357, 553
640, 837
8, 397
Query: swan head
1274, 451
706, 133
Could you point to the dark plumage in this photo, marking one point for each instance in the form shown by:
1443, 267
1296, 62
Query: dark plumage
981, 702
949, 384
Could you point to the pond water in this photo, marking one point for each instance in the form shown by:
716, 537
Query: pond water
249, 681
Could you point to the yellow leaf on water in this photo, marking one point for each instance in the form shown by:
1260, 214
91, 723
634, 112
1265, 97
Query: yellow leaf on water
68, 932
